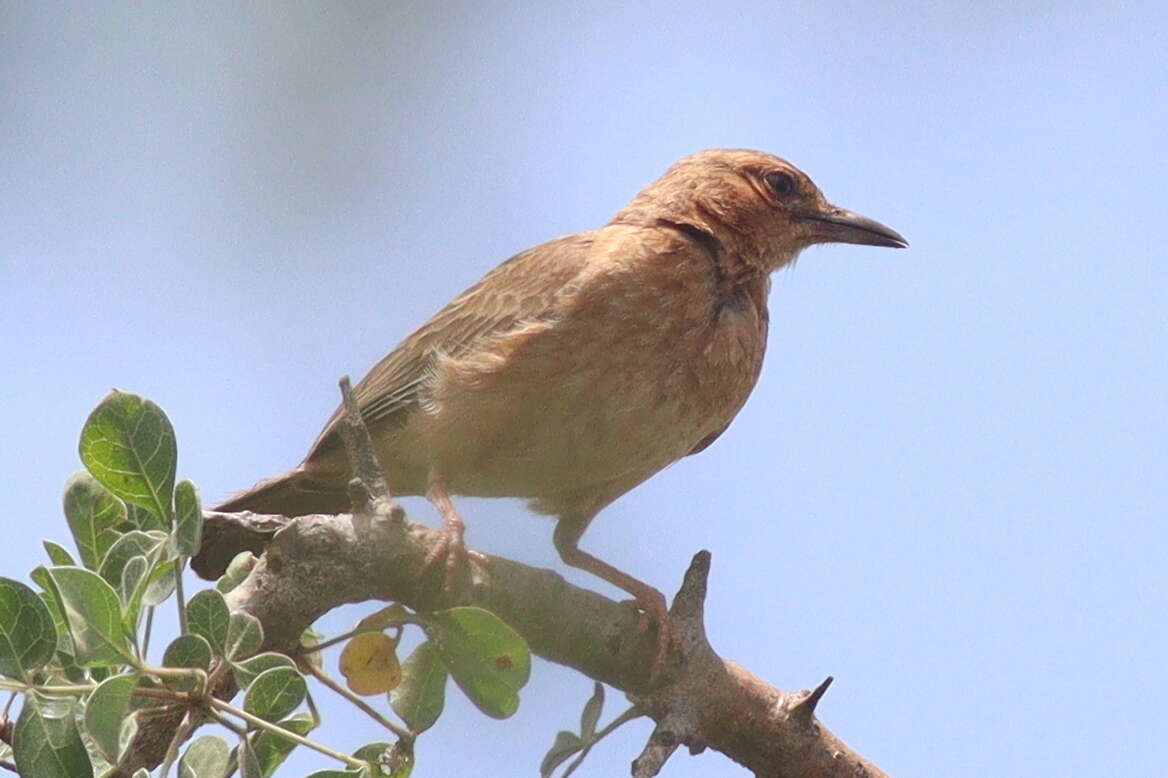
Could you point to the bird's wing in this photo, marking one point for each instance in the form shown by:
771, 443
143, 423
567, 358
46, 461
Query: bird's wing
522, 289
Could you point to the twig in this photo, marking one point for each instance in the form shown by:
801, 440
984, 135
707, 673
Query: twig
190, 721
282, 732
367, 472
180, 600
632, 713
360, 703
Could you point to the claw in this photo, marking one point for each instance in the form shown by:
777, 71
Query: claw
650, 601
655, 616
450, 550
451, 546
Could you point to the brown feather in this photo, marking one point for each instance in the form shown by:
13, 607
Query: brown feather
579, 368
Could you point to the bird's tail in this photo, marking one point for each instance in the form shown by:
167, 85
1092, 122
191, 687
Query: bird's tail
296, 493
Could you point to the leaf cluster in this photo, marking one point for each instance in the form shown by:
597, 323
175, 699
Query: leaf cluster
77, 650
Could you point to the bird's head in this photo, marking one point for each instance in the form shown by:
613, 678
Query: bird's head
762, 207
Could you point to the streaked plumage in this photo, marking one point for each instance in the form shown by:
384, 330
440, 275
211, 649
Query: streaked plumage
577, 369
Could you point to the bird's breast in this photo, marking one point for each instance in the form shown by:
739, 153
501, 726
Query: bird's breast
629, 374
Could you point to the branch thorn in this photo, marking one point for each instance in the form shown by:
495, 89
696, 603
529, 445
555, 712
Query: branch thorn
804, 709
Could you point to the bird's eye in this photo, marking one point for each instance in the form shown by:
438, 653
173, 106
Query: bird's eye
781, 183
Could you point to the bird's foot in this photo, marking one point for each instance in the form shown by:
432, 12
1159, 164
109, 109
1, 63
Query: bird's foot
654, 617
451, 546
650, 603
450, 553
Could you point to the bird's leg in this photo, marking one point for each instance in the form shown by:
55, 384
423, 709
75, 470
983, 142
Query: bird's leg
451, 546
652, 602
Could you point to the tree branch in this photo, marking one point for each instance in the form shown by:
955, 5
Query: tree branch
317, 563
313, 564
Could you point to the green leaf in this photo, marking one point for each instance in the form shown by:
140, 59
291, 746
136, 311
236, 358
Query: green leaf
93, 514
591, 713
66, 669
150, 704
129, 545
105, 710
188, 528
309, 640
132, 566
271, 749
339, 774
373, 752
421, 695
58, 554
207, 757
133, 585
94, 616
46, 743
150, 590
192, 651
28, 636
489, 661
567, 743
207, 615
395, 760
141, 518
244, 635
247, 670
160, 584
133, 575
128, 734
128, 445
275, 693
238, 569
52, 599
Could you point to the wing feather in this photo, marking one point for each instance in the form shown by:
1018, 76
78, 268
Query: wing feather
522, 289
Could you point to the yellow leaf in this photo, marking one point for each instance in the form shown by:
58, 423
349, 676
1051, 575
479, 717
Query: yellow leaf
369, 664
389, 616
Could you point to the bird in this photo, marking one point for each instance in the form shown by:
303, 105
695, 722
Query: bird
577, 369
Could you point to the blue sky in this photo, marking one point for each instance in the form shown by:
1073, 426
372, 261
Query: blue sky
948, 489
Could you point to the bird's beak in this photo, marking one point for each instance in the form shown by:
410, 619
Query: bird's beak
836, 225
